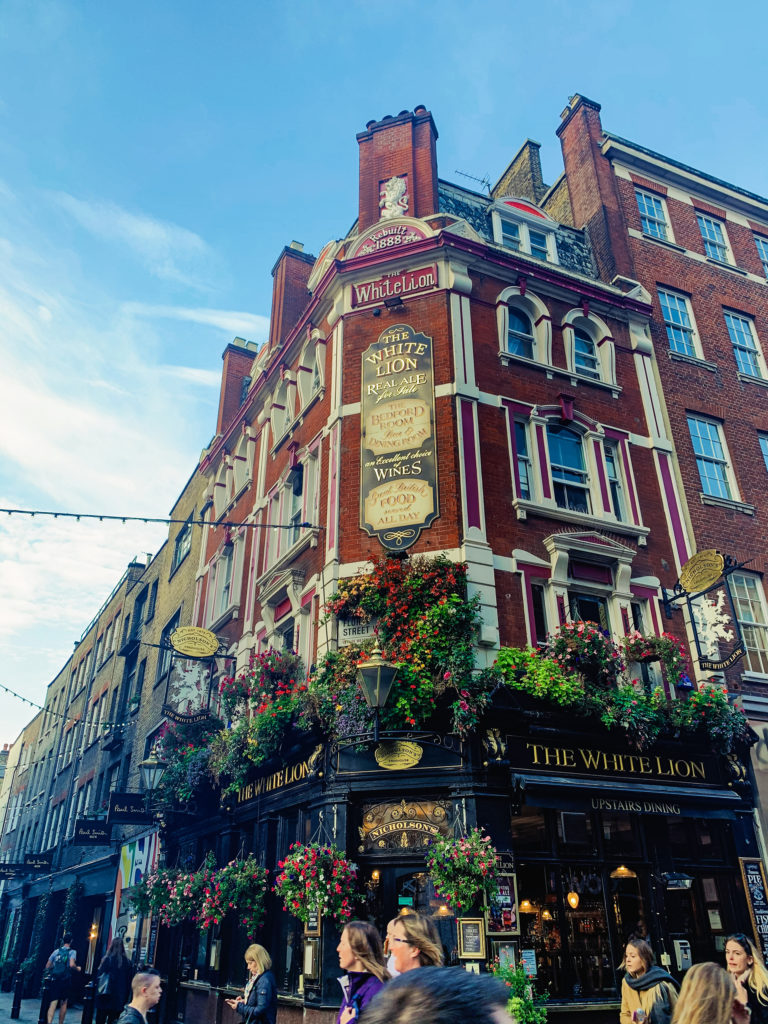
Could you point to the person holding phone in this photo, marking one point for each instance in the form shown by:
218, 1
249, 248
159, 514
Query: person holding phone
648, 994
745, 965
259, 1002
709, 996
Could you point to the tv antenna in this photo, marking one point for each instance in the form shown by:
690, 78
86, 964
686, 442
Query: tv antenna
482, 181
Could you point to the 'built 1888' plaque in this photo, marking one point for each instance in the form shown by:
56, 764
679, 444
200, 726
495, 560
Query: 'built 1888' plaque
398, 471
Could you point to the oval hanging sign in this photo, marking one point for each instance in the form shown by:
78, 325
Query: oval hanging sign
702, 571
194, 642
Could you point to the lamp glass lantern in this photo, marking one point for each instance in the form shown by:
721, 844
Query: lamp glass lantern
376, 678
152, 769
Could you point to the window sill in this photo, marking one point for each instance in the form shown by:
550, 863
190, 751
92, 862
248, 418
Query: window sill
725, 266
681, 357
509, 358
309, 538
663, 241
525, 508
727, 503
231, 612
748, 378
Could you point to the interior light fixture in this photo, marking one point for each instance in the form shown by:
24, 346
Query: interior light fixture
526, 907
622, 871
573, 899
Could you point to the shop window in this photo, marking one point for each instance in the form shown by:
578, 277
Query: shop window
529, 829
620, 836
574, 830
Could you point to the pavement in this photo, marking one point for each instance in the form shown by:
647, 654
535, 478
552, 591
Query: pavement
30, 1011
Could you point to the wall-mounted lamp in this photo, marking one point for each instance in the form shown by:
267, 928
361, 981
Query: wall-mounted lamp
394, 302
546, 915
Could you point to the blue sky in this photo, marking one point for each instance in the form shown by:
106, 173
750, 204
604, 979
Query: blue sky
155, 157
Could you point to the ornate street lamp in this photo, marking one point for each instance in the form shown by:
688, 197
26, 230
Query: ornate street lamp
375, 678
151, 769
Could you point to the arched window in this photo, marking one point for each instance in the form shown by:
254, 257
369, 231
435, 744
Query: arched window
585, 354
568, 466
520, 339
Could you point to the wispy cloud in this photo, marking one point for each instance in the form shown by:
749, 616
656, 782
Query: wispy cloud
168, 251
251, 326
206, 378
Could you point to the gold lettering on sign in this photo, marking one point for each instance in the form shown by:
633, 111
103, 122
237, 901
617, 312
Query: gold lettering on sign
398, 754
287, 776
607, 762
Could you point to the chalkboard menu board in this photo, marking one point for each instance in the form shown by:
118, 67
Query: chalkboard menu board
756, 892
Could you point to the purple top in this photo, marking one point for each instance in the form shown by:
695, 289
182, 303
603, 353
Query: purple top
359, 988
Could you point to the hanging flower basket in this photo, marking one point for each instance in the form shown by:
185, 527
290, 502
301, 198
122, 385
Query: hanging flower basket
665, 648
316, 879
240, 888
583, 648
464, 870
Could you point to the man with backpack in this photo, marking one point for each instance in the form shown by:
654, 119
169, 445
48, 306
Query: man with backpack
61, 963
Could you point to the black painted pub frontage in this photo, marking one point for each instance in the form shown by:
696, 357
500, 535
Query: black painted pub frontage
597, 842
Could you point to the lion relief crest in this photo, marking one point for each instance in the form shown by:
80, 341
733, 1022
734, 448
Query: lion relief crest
393, 198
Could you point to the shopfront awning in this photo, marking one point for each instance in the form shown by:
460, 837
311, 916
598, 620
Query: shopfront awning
574, 794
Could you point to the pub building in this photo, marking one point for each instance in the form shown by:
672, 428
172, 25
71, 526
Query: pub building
452, 377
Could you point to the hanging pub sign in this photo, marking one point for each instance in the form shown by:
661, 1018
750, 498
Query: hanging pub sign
9, 871
753, 876
90, 832
187, 693
705, 587
127, 809
42, 862
398, 457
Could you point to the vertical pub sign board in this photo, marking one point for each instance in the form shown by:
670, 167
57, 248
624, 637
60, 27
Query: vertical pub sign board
398, 456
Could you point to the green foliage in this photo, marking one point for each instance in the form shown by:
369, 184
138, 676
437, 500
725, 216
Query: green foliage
526, 670
524, 1005
708, 710
317, 879
463, 870
185, 748
665, 648
642, 716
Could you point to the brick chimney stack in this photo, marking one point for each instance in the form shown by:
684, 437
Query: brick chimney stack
398, 147
592, 187
289, 291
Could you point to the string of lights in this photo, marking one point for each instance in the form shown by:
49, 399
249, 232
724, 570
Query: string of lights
60, 714
165, 520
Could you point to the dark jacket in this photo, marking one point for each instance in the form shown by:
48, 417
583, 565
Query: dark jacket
759, 1010
120, 973
655, 991
261, 1007
359, 988
131, 1015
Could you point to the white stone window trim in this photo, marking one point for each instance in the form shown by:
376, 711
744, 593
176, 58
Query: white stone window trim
541, 321
763, 624
762, 374
709, 219
217, 614
310, 371
500, 210
603, 341
734, 501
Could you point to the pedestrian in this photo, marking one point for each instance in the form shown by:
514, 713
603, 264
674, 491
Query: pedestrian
648, 994
440, 995
709, 996
259, 1002
415, 943
146, 989
746, 967
361, 956
393, 971
113, 983
61, 964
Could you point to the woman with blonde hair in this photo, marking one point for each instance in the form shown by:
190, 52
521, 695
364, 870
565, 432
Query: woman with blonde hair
745, 965
415, 943
361, 956
708, 996
259, 1002
648, 994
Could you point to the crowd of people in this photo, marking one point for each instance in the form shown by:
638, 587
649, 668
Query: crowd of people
402, 981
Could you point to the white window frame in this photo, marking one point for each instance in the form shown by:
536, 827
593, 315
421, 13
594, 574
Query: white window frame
225, 576
741, 331
763, 442
617, 486
715, 248
525, 468
752, 615
597, 331
712, 436
310, 372
660, 217
503, 213
541, 324
761, 244
688, 328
